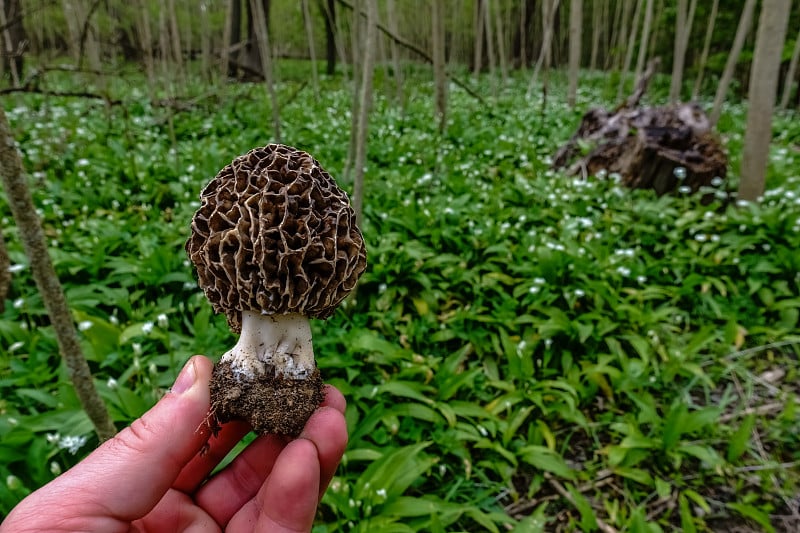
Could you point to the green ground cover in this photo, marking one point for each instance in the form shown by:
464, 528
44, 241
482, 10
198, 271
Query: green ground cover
526, 350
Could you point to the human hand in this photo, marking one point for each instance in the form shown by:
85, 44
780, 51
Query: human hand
151, 476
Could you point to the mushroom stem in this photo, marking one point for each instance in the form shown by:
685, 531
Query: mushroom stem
276, 343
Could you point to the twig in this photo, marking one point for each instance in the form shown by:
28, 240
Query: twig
765, 409
641, 85
522, 506
605, 528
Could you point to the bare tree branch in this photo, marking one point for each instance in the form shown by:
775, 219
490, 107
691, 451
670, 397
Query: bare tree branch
421, 53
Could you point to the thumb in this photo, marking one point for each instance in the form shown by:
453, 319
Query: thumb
127, 475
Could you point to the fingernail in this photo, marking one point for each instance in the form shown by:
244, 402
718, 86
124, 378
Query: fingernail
185, 378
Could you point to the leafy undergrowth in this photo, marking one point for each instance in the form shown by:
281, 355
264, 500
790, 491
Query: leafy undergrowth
526, 351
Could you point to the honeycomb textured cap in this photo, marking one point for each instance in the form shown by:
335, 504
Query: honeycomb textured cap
275, 234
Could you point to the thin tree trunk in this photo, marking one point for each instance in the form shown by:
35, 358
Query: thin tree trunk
619, 28
745, 21
549, 8
684, 30
265, 51
698, 82
478, 60
501, 48
395, 51
5, 273
146, 40
770, 37
235, 38
439, 74
33, 240
787, 84
329, 14
487, 24
163, 43
523, 35
174, 32
626, 67
359, 53
8, 48
227, 29
575, 30
311, 48
205, 43
646, 26
364, 108
597, 28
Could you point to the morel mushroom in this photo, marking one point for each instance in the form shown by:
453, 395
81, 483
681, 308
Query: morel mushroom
275, 243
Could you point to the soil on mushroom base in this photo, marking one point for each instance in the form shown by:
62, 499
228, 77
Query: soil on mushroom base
272, 404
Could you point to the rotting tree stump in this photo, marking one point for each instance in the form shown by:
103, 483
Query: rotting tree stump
665, 148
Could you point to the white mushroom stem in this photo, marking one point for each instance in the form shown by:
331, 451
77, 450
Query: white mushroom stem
272, 342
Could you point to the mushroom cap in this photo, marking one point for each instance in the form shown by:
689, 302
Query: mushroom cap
274, 234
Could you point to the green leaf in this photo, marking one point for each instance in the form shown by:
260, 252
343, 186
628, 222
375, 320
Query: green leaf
753, 513
547, 460
579, 501
392, 474
687, 520
738, 442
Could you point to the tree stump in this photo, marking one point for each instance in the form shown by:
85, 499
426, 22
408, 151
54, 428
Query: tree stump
664, 148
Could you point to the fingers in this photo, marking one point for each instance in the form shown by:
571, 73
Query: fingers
205, 462
145, 457
231, 433
329, 435
244, 477
226, 492
288, 500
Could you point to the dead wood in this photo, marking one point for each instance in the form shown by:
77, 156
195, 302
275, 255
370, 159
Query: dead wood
664, 148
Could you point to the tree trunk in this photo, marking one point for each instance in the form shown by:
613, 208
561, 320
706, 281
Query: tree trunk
787, 84
439, 74
205, 43
33, 240
364, 108
329, 14
549, 9
698, 82
619, 29
265, 52
359, 52
395, 51
311, 49
487, 24
575, 30
626, 67
745, 21
502, 59
145, 35
81, 35
764, 74
477, 63
14, 38
597, 28
234, 40
5, 273
684, 30
646, 26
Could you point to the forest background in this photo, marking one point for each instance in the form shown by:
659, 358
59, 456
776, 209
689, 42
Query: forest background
529, 350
